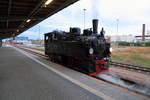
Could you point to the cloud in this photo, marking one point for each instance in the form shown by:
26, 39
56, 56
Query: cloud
123, 8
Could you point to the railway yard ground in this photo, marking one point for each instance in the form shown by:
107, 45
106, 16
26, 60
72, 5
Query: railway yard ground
133, 55
30, 77
125, 75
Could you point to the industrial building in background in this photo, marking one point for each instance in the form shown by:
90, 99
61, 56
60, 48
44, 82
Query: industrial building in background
131, 38
143, 37
122, 38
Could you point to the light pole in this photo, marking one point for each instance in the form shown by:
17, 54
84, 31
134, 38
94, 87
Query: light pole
147, 32
117, 30
117, 25
39, 32
84, 17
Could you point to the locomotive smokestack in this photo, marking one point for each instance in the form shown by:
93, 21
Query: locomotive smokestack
95, 26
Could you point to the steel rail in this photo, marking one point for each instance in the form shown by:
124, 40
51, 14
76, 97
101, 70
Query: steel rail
131, 66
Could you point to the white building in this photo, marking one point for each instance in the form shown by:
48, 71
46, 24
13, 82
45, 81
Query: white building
122, 38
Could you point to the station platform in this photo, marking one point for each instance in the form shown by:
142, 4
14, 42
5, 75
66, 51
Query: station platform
27, 77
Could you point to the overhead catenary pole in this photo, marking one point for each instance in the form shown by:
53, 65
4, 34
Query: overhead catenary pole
117, 30
39, 32
147, 32
117, 26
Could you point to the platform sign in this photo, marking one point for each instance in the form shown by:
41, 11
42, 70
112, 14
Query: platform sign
21, 38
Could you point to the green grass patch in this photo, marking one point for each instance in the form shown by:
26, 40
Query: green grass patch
131, 59
137, 59
118, 57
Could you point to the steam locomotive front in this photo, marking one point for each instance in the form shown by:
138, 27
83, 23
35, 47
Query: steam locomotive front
98, 49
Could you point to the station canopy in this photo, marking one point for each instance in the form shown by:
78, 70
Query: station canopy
16, 16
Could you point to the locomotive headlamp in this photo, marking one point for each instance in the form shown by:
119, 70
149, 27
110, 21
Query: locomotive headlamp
110, 49
91, 51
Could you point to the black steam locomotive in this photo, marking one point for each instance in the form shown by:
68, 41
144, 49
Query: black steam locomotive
88, 52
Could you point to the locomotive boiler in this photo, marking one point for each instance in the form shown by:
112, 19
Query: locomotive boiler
88, 52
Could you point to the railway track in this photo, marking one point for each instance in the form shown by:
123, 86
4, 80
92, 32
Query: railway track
132, 67
32, 51
145, 70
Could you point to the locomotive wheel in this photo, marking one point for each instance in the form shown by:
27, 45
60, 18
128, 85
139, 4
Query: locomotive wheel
55, 58
59, 59
87, 67
50, 58
90, 68
70, 62
64, 60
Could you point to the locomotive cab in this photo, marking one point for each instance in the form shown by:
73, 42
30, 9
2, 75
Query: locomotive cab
75, 30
